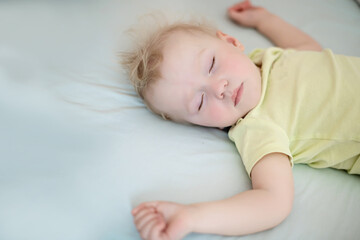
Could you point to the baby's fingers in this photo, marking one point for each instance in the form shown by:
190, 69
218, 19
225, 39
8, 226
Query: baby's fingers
144, 205
152, 229
236, 16
240, 6
141, 222
157, 232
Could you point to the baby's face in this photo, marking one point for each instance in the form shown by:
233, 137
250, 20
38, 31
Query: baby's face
206, 80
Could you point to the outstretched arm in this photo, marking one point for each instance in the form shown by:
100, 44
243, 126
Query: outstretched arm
281, 33
263, 207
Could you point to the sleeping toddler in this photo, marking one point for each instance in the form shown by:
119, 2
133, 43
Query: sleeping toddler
294, 103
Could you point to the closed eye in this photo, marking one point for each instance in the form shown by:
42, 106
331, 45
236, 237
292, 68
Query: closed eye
212, 64
201, 103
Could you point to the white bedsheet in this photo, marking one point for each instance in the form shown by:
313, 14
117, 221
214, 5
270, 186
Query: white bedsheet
75, 171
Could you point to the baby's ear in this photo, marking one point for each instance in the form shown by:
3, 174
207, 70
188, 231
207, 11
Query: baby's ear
229, 39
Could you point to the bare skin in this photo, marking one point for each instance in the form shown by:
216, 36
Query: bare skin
270, 200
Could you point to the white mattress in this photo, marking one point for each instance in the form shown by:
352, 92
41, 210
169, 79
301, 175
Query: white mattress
75, 171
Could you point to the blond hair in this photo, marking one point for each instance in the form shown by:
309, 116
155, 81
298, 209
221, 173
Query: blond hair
142, 63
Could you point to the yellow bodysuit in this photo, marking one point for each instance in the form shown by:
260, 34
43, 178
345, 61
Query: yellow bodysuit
309, 110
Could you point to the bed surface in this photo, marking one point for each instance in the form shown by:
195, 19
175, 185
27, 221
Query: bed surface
78, 149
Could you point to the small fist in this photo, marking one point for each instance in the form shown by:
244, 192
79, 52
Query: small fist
161, 220
245, 14
149, 223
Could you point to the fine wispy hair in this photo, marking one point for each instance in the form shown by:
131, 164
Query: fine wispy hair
148, 37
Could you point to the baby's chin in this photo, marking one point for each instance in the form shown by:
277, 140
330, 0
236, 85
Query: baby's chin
228, 124
218, 122
231, 122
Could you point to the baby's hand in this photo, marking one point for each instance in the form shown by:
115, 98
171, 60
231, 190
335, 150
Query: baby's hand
245, 14
161, 220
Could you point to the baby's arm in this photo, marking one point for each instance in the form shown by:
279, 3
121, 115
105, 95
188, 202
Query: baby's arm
281, 33
263, 207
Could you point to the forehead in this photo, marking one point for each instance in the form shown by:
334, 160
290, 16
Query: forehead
179, 55
179, 69
181, 52
182, 45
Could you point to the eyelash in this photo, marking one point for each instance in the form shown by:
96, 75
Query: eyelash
212, 64
202, 95
202, 100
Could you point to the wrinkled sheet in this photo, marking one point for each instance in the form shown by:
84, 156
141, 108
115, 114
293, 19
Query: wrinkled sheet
78, 149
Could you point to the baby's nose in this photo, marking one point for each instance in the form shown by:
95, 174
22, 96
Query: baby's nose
220, 87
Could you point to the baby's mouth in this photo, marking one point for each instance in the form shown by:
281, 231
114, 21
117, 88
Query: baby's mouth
237, 94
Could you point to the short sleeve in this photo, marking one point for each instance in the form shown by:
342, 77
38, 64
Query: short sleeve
257, 55
255, 138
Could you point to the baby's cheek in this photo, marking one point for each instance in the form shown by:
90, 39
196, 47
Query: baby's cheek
218, 114
221, 116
